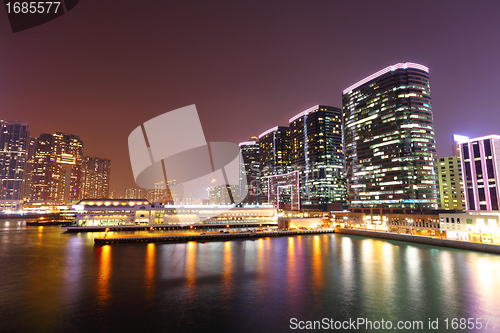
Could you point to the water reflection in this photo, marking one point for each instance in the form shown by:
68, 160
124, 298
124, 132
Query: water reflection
39, 242
446, 276
368, 266
291, 272
347, 265
414, 277
257, 285
103, 259
73, 269
483, 279
386, 254
191, 264
227, 266
317, 266
260, 257
150, 270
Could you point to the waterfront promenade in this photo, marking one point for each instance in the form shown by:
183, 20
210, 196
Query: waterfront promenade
482, 247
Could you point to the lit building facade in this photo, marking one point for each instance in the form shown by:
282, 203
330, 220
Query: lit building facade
95, 177
274, 157
135, 193
450, 183
480, 168
224, 194
129, 213
389, 139
249, 171
162, 193
316, 151
483, 227
283, 190
56, 170
29, 169
14, 145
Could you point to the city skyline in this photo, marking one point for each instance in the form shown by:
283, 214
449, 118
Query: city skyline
260, 166
98, 86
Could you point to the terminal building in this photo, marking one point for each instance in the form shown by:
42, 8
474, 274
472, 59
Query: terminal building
130, 212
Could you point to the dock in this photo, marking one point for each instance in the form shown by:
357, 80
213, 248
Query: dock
208, 237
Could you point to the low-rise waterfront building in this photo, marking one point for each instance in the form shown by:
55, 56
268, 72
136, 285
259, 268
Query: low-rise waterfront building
424, 223
476, 226
473, 226
129, 212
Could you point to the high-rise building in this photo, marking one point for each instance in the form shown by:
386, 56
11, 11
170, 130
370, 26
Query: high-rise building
249, 171
274, 157
29, 169
389, 139
481, 172
56, 170
95, 178
450, 183
316, 151
455, 144
135, 193
219, 195
14, 142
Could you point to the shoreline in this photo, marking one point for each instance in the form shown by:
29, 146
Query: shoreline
480, 247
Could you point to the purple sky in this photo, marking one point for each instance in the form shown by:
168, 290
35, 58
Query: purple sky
107, 66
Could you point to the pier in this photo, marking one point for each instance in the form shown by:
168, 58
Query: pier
208, 237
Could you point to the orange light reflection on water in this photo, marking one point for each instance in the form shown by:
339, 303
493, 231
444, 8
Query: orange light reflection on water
317, 265
40, 236
260, 257
227, 271
227, 265
291, 276
104, 274
191, 264
150, 270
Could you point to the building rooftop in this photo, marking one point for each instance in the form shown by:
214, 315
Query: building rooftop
384, 71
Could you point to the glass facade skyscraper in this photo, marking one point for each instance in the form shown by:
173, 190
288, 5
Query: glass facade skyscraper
316, 151
249, 171
274, 157
389, 139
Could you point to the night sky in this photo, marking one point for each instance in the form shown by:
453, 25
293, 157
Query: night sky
106, 67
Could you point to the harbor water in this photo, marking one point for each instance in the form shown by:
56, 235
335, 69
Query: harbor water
58, 282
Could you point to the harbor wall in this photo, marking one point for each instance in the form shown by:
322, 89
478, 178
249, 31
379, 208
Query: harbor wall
482, 247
